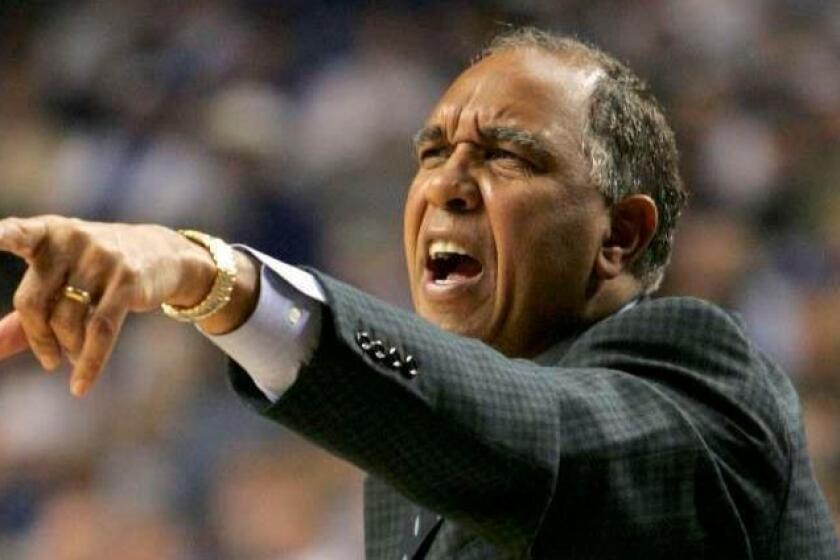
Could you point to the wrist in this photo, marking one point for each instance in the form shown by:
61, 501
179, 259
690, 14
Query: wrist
243, 299
198, 273
218, 286
220, 292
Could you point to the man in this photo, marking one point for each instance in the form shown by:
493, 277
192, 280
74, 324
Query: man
545, 407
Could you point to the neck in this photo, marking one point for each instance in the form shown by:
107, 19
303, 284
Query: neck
610, 296
605, 300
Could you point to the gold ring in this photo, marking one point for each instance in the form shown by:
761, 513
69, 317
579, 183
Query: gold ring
77, 295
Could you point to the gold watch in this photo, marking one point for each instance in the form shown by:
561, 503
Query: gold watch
222, 289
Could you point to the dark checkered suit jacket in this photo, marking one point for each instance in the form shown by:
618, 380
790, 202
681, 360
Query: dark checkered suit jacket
659, 432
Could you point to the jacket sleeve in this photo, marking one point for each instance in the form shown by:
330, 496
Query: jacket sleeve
643, 408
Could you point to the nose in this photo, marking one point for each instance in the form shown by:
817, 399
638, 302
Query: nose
452, 187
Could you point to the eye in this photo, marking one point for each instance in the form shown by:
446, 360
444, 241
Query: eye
508, 159
433, 154
497, 153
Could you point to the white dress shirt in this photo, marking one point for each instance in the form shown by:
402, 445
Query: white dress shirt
283, 331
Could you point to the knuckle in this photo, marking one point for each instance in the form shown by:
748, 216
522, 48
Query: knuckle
93, 366
42, 343
27, 303
75, 236
24, 236
128, 276
18, 301
102, 326
18, 237
14, 224
56, 225
106, 256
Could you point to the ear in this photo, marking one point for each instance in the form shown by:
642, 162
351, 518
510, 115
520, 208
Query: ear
632, 225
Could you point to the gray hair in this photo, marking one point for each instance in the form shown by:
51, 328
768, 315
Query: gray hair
628, 142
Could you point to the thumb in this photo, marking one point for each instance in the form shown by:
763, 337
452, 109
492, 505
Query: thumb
12, 338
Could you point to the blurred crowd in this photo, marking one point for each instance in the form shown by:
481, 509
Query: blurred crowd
285, 125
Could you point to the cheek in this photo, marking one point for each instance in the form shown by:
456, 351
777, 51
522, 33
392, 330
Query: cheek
412, 218
550, 243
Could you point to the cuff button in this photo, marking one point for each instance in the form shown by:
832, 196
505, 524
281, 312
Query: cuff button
409, 366
294, 316
363, 340
377, 350
394, 359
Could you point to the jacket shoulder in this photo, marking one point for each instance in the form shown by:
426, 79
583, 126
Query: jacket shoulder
675, 319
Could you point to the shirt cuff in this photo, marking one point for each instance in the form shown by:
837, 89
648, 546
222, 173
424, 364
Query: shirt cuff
283, 331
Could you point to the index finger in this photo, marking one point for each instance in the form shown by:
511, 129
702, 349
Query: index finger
12, 337
22, 236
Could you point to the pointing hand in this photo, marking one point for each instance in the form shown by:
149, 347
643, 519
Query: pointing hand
110, 269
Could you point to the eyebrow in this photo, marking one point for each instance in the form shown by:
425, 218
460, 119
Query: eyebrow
425, 135
498, 134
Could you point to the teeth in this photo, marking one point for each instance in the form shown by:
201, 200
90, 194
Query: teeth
439, 248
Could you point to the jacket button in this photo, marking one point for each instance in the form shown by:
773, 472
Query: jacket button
394, 359
409, 366
363, 340
377, 350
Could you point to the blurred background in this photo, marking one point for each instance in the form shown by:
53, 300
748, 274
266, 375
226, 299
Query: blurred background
286, 125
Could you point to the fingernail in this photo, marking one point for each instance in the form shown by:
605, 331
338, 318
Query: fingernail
78, 387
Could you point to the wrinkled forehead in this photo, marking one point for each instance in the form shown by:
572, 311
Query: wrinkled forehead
530, 88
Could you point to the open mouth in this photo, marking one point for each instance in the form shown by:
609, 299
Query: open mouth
449, 263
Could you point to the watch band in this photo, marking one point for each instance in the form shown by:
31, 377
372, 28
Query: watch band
220, 293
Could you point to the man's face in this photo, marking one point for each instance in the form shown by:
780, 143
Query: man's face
502, 223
